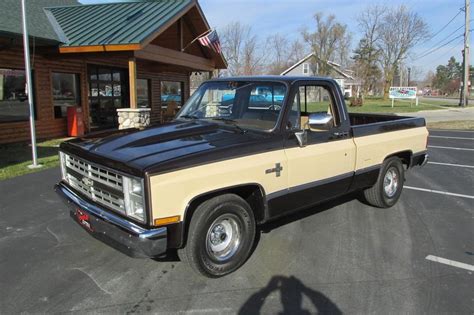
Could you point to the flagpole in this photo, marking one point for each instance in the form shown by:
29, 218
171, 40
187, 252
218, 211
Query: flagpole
206, 32
26, 47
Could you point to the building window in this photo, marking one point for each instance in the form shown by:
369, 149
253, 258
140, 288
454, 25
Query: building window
66, 92
143, 93
171, 98
305, 68
13, 96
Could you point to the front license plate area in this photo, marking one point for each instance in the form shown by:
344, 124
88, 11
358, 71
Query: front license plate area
84, 219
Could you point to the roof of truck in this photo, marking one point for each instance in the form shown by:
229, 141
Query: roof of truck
279, 78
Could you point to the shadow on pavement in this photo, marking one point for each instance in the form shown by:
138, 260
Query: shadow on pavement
292, 292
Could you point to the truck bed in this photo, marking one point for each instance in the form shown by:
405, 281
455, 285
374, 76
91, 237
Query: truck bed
364, 124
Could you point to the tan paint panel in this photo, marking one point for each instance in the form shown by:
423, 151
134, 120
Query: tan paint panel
172, 192
373, 149
320, 161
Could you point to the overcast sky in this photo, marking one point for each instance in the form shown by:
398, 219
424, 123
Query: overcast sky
287, 17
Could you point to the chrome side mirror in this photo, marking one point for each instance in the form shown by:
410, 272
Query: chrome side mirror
320, 120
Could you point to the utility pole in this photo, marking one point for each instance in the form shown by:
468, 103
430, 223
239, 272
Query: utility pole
29, 82
409, 76
465, 87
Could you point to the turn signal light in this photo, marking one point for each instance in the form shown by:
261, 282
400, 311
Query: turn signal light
168, 220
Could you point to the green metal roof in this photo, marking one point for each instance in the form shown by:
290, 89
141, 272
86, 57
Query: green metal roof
38, 24
113, 23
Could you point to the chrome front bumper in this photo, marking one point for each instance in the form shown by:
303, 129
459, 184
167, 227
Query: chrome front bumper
114, 230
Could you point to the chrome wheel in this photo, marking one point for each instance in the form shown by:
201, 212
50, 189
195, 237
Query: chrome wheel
223, 237
390, 182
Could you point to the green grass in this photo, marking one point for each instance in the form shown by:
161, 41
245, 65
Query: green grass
376, 105
454, 124
15, 158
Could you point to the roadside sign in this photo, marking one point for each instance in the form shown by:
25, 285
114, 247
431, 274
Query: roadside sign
397, 92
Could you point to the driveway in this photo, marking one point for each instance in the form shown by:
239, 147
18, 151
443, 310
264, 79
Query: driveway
341, 257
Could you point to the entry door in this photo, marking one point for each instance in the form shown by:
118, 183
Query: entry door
324, 167
108, 90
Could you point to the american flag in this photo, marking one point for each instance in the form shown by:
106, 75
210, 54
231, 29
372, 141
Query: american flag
211, 40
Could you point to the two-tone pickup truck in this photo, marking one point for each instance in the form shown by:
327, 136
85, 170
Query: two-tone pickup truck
202, 183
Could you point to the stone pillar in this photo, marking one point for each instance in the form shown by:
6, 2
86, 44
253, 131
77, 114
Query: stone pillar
133, 117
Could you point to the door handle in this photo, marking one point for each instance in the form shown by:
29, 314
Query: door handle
341, 134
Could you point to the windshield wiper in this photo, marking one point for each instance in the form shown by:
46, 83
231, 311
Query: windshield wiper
230, 121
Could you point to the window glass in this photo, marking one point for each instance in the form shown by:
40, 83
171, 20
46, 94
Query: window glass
105, 74
65, 92
253, 105
143, 93
171, 99
13, 96
309, 99
305, 68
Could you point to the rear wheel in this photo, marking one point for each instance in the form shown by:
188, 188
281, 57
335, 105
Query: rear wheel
221, 235
388, 188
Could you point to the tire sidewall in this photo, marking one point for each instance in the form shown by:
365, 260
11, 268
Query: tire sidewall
244, 218
398, 166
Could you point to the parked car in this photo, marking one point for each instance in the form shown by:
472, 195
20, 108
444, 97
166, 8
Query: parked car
203, 183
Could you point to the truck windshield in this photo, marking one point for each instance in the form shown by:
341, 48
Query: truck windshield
252, 105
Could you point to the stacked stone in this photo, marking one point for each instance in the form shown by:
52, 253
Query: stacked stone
133, 117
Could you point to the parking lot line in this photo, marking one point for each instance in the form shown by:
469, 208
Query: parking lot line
449, 164
457, 138
449, 148
450, 262
439, 192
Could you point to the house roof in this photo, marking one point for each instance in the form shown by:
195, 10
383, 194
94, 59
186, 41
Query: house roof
121, 23
336, 67
38, 23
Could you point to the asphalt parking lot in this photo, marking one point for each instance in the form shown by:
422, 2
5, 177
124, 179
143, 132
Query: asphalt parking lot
341, 257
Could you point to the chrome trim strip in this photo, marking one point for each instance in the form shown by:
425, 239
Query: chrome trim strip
126, 225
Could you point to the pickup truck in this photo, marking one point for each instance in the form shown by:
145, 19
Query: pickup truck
203, 183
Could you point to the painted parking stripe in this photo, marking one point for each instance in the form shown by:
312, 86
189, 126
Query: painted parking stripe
450, 262
449, 164
449, 148
439, 192
457, 138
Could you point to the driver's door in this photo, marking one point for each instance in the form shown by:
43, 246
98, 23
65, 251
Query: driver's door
324, 167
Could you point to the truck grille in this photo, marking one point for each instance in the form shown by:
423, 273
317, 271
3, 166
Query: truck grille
97, 183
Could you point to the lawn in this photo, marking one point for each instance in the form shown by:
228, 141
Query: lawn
15, 158
378, 105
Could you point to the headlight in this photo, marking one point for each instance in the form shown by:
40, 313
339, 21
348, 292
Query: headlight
134, 198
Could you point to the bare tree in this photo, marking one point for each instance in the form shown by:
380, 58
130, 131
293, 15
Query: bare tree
279, 50
399, 31
366, 55
242, 49
328, 40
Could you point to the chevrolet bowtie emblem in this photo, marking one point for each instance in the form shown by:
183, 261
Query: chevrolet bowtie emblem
277, 169
87, 181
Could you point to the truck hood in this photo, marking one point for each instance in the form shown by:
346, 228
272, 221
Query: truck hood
175, 145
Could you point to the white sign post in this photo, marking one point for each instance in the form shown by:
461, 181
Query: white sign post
410, 93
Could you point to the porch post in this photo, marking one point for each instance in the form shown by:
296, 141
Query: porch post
132, 75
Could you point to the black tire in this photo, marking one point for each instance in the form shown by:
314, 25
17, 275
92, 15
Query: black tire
229, 211
376, 195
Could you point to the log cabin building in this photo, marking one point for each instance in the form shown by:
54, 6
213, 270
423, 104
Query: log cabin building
133, 56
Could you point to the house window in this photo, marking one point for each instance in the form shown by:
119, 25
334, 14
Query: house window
171, 98
143, 93
13, 96
305, 68
65, 92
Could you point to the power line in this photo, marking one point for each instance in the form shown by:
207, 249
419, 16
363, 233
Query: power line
438, 48
444, 27
445, 38
450, 51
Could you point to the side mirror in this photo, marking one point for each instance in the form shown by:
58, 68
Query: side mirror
320, 120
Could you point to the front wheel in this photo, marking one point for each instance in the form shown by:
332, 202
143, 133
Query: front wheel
221, 235
388, 188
